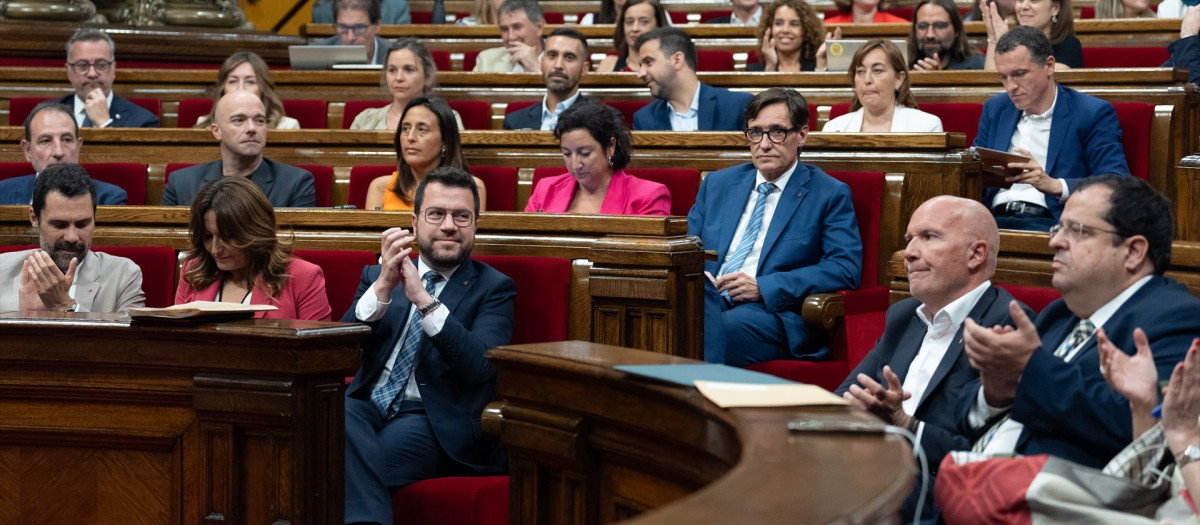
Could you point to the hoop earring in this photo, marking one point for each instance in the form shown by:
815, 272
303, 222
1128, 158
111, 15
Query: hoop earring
1054, 19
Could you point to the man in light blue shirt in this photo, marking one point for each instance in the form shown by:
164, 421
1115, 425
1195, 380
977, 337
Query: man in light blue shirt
564, 63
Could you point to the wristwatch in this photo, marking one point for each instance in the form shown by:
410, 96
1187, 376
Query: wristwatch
74, 307
1189, 454
429, 308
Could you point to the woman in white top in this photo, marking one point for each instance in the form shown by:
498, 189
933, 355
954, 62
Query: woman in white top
408, 73
246, 70
882, 101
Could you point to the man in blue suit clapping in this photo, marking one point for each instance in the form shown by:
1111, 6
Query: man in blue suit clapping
782, 230
682, 102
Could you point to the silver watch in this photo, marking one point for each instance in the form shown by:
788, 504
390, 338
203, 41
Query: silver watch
74, 307
1189, 454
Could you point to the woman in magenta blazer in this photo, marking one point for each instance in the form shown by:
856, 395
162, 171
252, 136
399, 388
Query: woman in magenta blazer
595, 146
235, 256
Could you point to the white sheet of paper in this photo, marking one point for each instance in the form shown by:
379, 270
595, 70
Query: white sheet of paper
727, 395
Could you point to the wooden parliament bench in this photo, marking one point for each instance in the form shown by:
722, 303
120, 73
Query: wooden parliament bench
106, 421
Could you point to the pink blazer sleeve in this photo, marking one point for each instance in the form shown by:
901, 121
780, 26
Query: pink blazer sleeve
304, 293
184, 293
649, 198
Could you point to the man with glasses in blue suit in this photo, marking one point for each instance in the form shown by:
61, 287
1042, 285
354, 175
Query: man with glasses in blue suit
91, 68
782, 230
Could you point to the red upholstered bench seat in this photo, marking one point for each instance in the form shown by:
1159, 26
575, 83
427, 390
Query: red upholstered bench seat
458, 501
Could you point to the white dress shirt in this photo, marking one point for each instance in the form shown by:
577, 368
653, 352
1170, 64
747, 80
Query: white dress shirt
1032, 134
370, 309
81, 114
689, 121
1005, 439
939, 333
750, 265
549, 120
753, 21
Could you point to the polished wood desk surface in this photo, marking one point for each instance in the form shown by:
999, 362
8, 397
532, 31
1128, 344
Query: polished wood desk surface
597, 445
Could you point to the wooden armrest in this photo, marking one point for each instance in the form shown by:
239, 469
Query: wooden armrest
490, 421
822, 309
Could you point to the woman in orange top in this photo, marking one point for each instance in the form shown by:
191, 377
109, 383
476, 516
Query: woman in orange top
427, 138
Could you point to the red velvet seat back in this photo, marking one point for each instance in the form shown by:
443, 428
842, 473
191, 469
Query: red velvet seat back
677, 17
479, 500
310, 113
469, 58
420, 17
553, 17
956, 117
441, 59
1106, 57
158, 270
1136, 118
839, 109
354, 107
129, 176
360, 182
322, 183
1035, 297
476, 114
714, 60
501, 185
190, 111
543, 290
866, 191
705, 16
342, 269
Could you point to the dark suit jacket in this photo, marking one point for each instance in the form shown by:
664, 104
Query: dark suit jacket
286, 186
1068, 409
125, 114
530, 117
1085, 138
811, 246
1185, 53
19, 190
720, 110
455, 379
902, 337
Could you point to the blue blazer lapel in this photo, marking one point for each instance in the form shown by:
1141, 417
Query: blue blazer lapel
458, 285
706, 116
1058, 128
789, 201
736, 194
1006, 127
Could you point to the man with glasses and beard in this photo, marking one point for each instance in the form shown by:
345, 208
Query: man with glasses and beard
63, 275
782, 230
413, 409
937, 40
357, 24
564, 63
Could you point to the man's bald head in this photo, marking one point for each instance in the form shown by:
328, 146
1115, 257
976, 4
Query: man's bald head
240, 123
952, 247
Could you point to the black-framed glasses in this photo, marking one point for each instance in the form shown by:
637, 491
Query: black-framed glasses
776, 135
939, 26
1078, 230
82, 66
461, 218
357, 29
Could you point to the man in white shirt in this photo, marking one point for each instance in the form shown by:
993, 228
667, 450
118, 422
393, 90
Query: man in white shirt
1041, 389
412, 410
745, 13
1066, 135
521, 23
64, 274
913, 376
564, 63
91, 68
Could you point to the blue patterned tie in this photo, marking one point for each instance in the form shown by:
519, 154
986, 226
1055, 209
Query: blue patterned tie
734, 262
386, 398
1082, 332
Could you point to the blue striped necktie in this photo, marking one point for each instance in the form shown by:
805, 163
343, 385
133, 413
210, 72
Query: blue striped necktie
386, 398
734, 262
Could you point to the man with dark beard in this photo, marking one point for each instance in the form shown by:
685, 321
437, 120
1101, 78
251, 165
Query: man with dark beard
564, 63
937, 40
412, 411
64, 275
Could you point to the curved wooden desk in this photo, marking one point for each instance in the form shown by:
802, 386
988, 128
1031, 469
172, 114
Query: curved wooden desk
590, 444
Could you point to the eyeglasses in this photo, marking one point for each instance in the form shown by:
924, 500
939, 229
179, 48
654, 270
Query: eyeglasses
1078, 231
82, 66
357, 29
937, 26
462, 218
777, 135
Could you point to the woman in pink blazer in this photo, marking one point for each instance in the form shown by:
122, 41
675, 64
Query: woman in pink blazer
235, 256
595, 146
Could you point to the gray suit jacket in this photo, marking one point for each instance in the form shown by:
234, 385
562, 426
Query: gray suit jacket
103, 283
286, 186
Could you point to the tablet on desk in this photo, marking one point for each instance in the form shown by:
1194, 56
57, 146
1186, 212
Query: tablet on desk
994, 164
